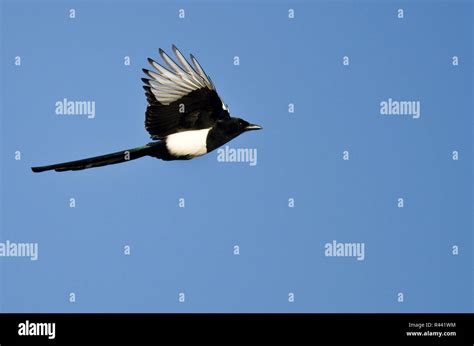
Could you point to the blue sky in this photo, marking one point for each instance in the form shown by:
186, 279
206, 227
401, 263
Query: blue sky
300, 155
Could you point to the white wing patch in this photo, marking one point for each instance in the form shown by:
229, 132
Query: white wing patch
188, 143
180, 80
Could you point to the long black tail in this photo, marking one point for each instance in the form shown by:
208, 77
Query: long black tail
103, 160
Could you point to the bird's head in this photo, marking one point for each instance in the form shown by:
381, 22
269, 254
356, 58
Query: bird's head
227, 129
236, 126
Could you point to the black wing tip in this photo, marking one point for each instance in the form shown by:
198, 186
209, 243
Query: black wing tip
164, 55
196, 63
147, 72
146, 81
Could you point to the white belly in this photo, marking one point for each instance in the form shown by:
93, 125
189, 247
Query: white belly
188, 143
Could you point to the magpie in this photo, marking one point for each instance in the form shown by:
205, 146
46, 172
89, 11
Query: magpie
185, 117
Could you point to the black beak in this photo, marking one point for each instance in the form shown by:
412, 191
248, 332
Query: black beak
252, 127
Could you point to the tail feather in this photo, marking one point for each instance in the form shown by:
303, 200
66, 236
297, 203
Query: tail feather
98, 161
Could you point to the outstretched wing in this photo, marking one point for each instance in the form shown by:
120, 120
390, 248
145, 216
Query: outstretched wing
180, 98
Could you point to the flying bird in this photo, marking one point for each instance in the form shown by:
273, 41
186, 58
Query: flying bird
185, 117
